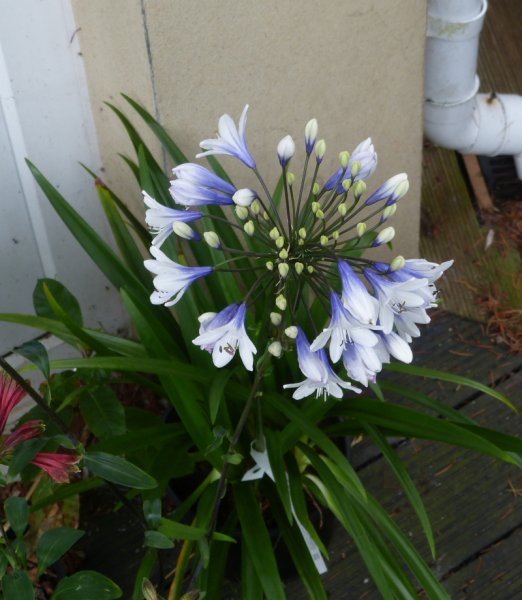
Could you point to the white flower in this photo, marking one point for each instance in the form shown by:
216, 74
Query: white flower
161, 219
356, 298
230, 140
171, 278
225, 333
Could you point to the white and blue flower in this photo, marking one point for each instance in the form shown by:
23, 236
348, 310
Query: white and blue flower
224, 333
161, 218
320, 378
172, 279
230, 140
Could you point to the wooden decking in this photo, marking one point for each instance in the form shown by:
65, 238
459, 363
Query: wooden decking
475, 503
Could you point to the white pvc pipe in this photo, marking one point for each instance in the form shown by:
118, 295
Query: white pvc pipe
455, 115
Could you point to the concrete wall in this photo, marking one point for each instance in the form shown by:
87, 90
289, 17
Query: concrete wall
357, 66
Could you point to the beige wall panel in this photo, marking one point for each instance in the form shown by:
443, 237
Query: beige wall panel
356, 66
114, 49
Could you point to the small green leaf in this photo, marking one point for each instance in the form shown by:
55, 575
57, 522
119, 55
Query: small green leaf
86, 585
17, 512
16, 585
118, 470
155, 539
35, 352
62, 296
103, 412
53, 544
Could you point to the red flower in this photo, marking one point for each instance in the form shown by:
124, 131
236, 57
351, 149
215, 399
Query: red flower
10, 395
26, 431
57, 466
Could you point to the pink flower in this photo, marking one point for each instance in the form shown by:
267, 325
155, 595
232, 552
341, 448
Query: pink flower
10, 395
57, 466
26, 431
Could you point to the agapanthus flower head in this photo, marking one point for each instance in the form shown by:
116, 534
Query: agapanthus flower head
58, 466
230, 140
10, 395
305, 245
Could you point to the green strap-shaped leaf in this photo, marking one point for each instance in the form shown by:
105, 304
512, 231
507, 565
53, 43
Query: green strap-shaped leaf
257, 541
103, 412
63, 297
53, 544
406, 482
275, 456
449, 377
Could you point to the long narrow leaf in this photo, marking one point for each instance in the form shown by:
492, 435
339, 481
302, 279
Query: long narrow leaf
449, 377
406, 482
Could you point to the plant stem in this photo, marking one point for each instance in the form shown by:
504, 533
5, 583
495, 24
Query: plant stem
234, 441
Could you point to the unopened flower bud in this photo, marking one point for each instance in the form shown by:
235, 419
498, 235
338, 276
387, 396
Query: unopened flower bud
391, 190
356, 167
281, 302
266, 216
244, 197
298, 266
335, 235
320, 149
344, 158
310, 269
300, 242
400, 191
280, 242
323, 240
212, 239
283, 254
274, 233
311, 129
319, 214
285, 150
255, 208
397, 263
283, 269
276, 318
269, 265
302, 233
183, 230
347, 183
361, 229
148, 591
386, 235
291, 332
241, 212
359, 188
315, 207
249, 227
290, 178
342, 209
316, 188
275, 349
388, 212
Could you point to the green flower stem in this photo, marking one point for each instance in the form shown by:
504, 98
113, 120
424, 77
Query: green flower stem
271, 200
303, 177
222, 482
